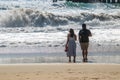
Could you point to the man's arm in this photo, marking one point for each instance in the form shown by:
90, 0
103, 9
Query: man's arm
75, 37
79, 36
90, 34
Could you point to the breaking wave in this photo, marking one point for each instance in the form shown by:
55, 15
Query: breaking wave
35, 18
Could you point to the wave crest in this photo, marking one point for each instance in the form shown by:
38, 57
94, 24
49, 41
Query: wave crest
29, 17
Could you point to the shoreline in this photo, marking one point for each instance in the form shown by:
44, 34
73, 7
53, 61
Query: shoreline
101, 54
67, 63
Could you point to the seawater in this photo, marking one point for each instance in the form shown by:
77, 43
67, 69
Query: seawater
34, 31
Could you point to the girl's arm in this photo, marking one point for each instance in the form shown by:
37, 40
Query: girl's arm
67, 39
75, 37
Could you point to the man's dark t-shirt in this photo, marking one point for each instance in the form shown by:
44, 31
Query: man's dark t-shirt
84, 33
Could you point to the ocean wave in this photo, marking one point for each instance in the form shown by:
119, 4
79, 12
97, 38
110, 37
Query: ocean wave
35, 18
92, 5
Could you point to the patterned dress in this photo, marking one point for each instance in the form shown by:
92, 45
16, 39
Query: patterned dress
71, 47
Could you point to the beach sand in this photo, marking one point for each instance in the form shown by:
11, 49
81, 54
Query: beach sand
60, 71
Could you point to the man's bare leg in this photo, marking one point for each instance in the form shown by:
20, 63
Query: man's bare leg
86, 53
83, 53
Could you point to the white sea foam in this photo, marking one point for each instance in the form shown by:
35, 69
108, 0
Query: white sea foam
44, 23
31, 29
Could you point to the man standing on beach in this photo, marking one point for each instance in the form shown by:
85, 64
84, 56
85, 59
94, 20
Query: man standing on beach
84, 35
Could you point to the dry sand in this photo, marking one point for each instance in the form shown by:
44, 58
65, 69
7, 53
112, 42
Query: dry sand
62, 71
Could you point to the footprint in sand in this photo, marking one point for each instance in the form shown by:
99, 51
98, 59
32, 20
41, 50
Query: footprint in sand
37, 73
17, 75
27, 78
57, 72
70, 72
73, 78
95, 78
80, 72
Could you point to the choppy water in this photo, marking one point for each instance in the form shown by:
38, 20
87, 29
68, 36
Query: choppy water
36, 24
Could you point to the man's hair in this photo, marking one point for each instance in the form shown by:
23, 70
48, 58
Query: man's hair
84, 26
